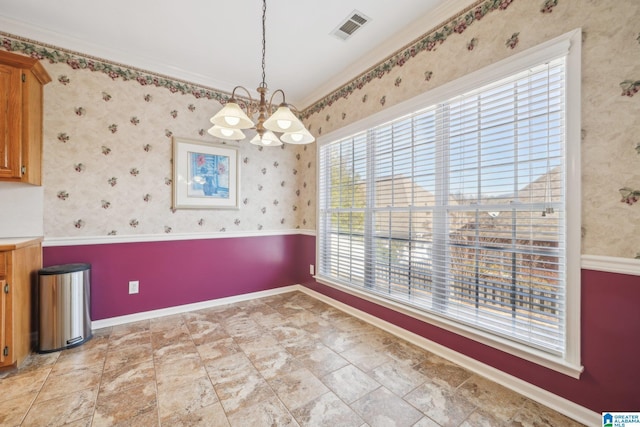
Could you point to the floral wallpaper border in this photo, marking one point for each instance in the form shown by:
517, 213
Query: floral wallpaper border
428, 42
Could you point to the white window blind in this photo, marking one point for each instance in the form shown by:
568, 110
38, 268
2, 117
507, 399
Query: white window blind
458, 209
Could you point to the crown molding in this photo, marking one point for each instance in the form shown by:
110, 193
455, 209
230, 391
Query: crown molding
82, 47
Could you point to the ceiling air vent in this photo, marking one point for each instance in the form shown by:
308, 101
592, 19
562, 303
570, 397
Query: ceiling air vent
350, 25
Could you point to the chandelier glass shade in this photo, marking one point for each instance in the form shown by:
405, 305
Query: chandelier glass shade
231, 116
227, 133
231, 120
268, 139
283, 120
300, 137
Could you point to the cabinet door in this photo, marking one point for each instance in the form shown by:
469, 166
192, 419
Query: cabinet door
10, 122
3, 321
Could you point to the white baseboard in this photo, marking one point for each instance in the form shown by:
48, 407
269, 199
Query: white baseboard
178, 309
560, 404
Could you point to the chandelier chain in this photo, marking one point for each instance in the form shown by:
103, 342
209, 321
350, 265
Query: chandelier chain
229, 122
264, 41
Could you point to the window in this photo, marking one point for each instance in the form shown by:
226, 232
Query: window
461, 209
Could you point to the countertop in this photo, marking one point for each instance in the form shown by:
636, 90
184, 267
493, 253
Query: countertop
12, 243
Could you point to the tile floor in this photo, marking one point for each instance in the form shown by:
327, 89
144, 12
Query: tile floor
284, 360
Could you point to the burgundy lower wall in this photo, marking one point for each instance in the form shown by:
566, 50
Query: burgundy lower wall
180, 272
610, 340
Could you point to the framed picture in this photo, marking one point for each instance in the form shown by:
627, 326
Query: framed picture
205, 176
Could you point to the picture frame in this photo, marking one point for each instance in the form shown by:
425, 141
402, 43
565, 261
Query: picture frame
205, 175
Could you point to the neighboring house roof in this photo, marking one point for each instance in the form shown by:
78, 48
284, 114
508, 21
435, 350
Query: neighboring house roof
401, 192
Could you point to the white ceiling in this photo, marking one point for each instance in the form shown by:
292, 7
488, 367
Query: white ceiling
218, 43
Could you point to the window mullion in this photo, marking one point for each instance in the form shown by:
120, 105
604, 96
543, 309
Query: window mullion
514, 222
440, 223
369, 219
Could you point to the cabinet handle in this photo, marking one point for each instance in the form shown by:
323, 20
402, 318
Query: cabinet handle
6, 288
23, 169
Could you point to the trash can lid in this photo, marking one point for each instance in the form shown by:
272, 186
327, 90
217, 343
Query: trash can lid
62, 269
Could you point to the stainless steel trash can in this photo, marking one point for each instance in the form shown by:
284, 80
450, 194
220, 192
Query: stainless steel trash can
64, 302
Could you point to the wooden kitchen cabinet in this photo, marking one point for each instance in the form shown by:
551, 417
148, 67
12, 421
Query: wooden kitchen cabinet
20, 260
21, 107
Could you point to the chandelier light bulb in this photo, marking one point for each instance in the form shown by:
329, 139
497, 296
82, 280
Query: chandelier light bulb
284, 124
226, 132
297, 137
232, 121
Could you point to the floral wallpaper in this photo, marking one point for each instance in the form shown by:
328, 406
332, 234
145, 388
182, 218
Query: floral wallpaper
492, 30
107, 163
107, 156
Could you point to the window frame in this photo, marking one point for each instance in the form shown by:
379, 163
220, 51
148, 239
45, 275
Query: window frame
568, 45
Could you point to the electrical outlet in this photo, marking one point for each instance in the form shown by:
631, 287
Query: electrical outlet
311, 269
134, 286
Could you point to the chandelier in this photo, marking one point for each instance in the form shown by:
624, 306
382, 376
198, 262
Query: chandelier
229, 122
